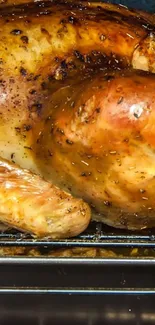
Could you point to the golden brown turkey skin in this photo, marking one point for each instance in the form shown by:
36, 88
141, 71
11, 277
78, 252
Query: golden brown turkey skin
93, 132
96, 138
48, 38
29, 203
92, 135
109, 6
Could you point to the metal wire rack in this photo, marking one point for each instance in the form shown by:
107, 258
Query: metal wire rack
43, 274
97, 235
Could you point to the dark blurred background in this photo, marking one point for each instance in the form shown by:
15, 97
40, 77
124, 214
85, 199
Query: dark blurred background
148, 5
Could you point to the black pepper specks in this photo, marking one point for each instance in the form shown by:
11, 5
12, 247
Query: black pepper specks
11, 80
24, 39
36, 77
98, 110
60, 131
50, 77
79, 56
63, 21
85, 174
16, 32
63, 64
29, 148
36, 108
107, 203
136, 115
27, 127
69, 142
87, 59
30, 77
71, 65
57, 59
32, 91
2, 82
44, 85
44, 30
142, 190
72, 20
17, 129
23, 71
63, 74
39, 106
108, 78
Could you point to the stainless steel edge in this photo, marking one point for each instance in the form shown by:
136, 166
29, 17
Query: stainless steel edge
76, 261
79, 291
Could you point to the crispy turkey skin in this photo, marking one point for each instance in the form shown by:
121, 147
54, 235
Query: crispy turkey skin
92, 135
98, 142
31, 204
73, 111
54, 38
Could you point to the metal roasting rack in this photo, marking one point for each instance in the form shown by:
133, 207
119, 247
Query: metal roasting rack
79, 290
97, 235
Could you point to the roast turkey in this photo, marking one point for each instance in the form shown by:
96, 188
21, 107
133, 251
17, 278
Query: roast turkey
77, 111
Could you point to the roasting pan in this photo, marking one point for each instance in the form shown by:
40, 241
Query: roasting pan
115, 285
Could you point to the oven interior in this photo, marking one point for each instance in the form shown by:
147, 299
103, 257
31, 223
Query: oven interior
103, 276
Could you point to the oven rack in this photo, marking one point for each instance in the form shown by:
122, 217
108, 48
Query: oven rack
97, 236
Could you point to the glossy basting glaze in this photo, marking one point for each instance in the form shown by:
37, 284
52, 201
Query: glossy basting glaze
34, 205
100, 145
74, 111
40, 37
